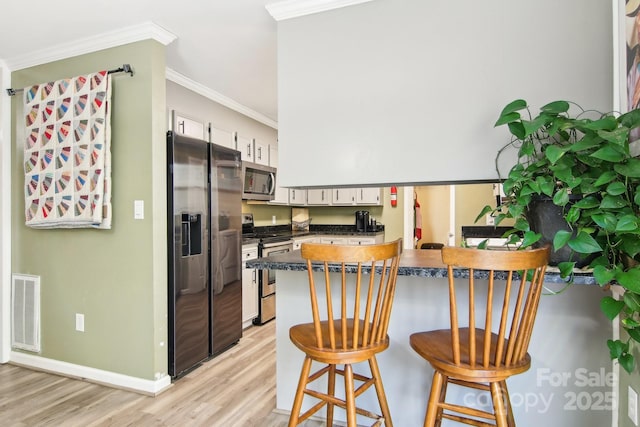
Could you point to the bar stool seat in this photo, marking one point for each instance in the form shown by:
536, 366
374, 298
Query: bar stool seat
353, 287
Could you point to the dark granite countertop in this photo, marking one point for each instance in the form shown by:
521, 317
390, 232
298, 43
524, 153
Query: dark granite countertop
413, 262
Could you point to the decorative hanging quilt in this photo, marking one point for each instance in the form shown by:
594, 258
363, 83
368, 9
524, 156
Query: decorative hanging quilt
67, 153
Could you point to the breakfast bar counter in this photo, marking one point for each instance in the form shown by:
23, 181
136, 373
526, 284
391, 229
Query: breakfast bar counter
570, 379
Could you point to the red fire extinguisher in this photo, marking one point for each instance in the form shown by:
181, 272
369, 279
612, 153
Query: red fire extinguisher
394, 196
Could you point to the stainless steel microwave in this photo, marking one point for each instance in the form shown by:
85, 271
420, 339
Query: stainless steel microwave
259, 181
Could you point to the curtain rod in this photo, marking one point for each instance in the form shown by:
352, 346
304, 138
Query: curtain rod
126, 68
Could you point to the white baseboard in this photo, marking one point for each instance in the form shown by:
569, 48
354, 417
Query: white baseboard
111, 379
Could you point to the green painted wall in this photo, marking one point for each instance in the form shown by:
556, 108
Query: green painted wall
117, 277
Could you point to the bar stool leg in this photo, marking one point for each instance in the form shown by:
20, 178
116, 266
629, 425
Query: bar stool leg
331, 391
443, 395
350, 395
498, 404
511, 421
434, 396
382, 397
302, 384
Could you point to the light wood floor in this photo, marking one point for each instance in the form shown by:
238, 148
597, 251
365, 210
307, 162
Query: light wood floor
235, 389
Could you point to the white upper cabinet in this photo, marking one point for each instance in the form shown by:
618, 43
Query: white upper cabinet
297, 197
260, 152
245, 146
369, 196
223, 137
319, 196
343, 196
188, 126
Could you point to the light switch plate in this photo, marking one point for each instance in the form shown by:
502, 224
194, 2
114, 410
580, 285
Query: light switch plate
138, 209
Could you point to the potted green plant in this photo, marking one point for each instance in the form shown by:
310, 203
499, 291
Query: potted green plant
579, 163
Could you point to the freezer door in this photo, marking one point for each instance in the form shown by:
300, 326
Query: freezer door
188, 207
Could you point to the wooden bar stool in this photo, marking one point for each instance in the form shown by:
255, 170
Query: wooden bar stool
474, 356
353, 287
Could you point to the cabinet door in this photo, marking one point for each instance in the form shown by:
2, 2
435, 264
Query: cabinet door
249, 287
369, 196
318, 196
334, 240
260, 152
297, 196
245, 146
188, 127
223, 137
361, 241
299, 241
343, 196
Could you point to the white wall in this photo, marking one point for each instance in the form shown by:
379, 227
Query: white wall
5, 216
408, 91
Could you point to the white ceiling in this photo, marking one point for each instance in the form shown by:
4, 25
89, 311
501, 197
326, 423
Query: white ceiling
227, 46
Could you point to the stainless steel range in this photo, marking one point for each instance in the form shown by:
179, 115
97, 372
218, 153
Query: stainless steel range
271, 241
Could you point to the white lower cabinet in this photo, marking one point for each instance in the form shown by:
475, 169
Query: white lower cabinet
249, 286
298, 241
334, 240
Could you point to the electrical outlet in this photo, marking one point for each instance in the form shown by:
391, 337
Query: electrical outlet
491, 220
632, 405
79, 322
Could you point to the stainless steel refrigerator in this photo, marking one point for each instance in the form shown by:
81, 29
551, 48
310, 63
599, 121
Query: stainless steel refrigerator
204, 200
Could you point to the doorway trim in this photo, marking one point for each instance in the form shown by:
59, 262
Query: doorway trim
5, 213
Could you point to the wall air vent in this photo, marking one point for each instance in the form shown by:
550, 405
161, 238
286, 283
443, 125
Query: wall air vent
25, 312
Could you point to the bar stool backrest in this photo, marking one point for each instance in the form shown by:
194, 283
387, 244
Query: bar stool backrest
511, 318
352, 290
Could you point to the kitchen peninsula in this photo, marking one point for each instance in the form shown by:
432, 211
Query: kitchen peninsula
569, 382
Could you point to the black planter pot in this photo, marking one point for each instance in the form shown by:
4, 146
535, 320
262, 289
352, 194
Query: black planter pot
547, 218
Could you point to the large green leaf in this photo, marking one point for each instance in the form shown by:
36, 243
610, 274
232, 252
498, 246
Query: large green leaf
627, 362
611, 307
629, 279
617, 136
606, 178
616, 188
530, 238
510, 108
507, 118
555, 107
632, 300
584, 244
630, 169
588, 202
609, 153
554, 152
566, 268
603, 275
561, 198
482, 213
612, 202
561, 238
630, 119
627, 223
607, 221
517, 129
630, 245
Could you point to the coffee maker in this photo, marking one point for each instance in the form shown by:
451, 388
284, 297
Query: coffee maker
362, 220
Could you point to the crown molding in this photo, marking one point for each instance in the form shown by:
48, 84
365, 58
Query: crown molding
211, 94
119, 37
294, 8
